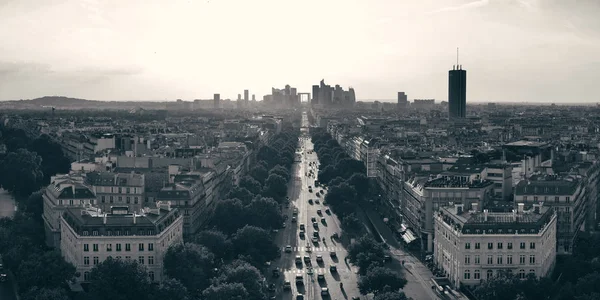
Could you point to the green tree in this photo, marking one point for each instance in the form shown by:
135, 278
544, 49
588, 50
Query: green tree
242, 194
229, 215
379, 279
351, 223
25, 172
191, 264
217, 242
226, 291
366, 252
251, 185
360, 182
171, 289
244, 273
259, 173
34, 270
117, 279
391, 296
256, 243
56, 293
281, 171
53, 159
276, 187
264, 213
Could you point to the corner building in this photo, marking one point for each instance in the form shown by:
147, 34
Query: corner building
89, 236
472, 246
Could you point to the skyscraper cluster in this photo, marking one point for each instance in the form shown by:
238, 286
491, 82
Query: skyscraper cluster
287, 97
332, 96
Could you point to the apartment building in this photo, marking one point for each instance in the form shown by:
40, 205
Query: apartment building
472, 246
567, 196
64, 191
390, 177
90, 236
117, 189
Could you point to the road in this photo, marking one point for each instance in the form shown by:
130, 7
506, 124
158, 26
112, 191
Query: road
7, 204
300, 194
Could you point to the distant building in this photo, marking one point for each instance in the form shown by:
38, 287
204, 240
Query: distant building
246, 97
217, 101
117, 189
253, 97
90, 236
457, 93
472, 246
402, 100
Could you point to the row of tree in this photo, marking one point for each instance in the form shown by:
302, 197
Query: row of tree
348, 185
574, 277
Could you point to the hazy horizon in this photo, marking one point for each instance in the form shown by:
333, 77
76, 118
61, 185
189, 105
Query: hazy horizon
513, 50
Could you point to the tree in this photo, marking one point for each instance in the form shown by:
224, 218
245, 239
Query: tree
229, 215
226, 291
251, 185
366, 252
242, 194
351, 223
55, 293
281, 171
259, 173
360, 182
53, 158
327, 174
264, 213
34, 204
117, 279
256, 243
34, 270
216, 242
191, 264
245, 274
171, 289
379, 279
340, 193
25, 172
268, 154
391, 296
348, 166
275, 186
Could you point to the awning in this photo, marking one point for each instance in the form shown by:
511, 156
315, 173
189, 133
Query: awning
408, 236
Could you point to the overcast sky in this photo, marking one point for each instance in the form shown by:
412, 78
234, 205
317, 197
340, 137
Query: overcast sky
513, 50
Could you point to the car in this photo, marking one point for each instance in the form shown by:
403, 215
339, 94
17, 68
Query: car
275, 273
287, 285
271, 288
333, 268
319, 212
321, 277
275, 231
327, 211
323, 220
322, 192
310, 201
299, 279
294, 220
315, 240
325, 292
288, 249
310, 190
332, 254
295, 211
302, 227
315, 225
313, 219
319, 258
301, 234
355, 298
299, 297
283, 225
298, 260
306, 259
310, 187
335, 235
387, 258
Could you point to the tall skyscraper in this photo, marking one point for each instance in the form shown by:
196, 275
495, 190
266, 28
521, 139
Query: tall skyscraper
402, 100
457, 92
253, 97
216, 101
246, 97
315, 94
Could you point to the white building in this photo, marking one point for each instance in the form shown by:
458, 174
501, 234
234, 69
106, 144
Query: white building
89, 236
472, 246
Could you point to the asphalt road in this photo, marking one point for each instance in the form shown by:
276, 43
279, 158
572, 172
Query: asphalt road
311, 287
7, 204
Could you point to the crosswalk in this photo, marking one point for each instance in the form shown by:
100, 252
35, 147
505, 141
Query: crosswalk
314, 249
317, 271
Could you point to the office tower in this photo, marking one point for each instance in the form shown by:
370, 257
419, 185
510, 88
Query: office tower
246, 98
402, 100
239, 97
253, 97
216, 100
457, 92
315, 94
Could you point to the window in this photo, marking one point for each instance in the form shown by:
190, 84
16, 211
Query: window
477, 245
103, 199
135, 200
128, 199
477, 274
467, 259
490, 260
467, 274
112, 199
532, 272
467, 245
499, 245
568, 199
151, 275
522, 245
120, 199
521, 273
490, 245
499, 259
128, 190
86, 247
532, 259
532, 245
95, 260
556, 199
86, 276
127, 257
141, 260
86, 260
95, 233
86, 233
141, 246
524, 198
108, 247
509, 259
477, 259
489, 274
150, 246
150, 260
521, 259
95, 247
118, 257
509, 246
127, 247
118, 247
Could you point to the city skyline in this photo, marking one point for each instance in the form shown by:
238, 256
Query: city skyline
515, 51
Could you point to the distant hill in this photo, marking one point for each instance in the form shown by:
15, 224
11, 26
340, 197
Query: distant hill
61, 101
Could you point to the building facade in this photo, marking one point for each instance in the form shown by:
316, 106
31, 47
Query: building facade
117, 189
472, 246
90, 236
457, 93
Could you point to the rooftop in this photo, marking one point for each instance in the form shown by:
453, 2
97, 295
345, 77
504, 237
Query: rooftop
548, 185
449, 182
115, 179
526, 144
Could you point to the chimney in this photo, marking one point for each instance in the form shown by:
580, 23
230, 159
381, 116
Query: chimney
520, 207
475, 207
459, 209
485, 215
536, 208
134, 218
104, 219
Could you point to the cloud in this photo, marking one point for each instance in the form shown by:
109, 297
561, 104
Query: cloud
20, 69
470, 5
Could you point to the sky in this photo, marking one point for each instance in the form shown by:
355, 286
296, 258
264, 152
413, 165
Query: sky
513, 50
